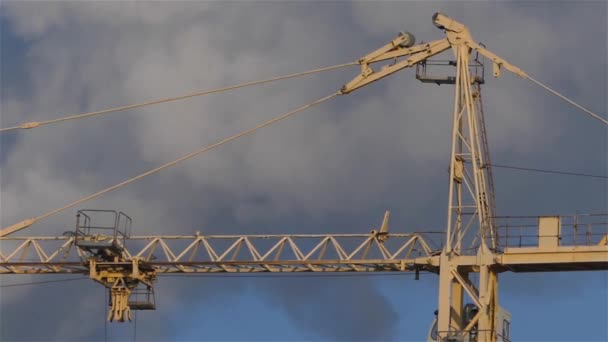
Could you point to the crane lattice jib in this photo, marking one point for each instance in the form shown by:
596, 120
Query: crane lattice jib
226, 253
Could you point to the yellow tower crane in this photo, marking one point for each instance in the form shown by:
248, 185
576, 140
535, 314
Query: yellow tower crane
475, 240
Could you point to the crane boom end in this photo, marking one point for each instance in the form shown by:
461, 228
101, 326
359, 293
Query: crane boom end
16, 227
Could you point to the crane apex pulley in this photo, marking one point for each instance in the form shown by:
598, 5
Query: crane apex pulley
443, 22
439, 26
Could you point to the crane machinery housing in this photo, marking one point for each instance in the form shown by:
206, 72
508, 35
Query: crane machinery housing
476, 240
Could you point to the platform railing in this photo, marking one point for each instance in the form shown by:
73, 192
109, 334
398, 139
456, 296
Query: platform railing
575, 230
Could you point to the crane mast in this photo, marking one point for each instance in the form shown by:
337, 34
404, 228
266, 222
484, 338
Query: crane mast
469, 214
473, 241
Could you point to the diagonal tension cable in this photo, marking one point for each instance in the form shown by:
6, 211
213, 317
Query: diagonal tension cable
26, 223
567, 173
43, 282
34, 124
568, 100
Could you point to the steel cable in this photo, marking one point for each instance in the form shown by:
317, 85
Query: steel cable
568, 100
567, 173
41, 282
29, 222
34, 124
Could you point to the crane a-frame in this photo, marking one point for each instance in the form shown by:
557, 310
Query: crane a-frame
475, 242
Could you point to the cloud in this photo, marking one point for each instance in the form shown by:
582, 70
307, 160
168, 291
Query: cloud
333, 168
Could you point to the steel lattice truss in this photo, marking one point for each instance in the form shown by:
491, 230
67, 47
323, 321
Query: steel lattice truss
225, 253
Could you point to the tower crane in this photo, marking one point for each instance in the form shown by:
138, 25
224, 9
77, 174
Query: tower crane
476, 241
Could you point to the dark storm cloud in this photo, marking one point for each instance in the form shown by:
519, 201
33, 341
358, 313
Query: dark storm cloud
332, 169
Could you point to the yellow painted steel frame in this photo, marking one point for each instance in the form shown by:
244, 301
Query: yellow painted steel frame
470, 246
376, 251
146, 257
471, 190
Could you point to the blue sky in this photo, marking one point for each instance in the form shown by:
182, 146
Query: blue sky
334, 169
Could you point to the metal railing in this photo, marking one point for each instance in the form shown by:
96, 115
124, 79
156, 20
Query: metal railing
471, 336
576, 230
476, 68
142, 298
97, 229
102, 223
